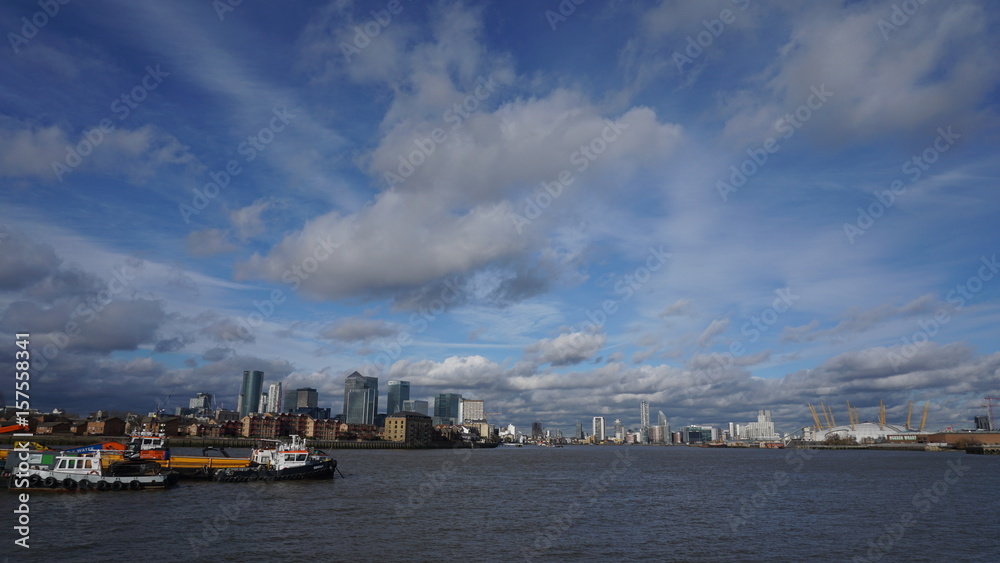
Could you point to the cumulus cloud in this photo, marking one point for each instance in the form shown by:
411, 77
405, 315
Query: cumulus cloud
566, 349
715, 328
24, 261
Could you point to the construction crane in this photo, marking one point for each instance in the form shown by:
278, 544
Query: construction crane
812, 409
923, 419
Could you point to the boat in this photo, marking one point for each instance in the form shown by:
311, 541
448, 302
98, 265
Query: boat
82, 471
281, 460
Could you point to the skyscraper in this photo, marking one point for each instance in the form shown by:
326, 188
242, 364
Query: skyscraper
421, 407
274, 396
619, 430
249, 399
360, 399
399, 391
473, 410
661, 421
446, 407
643, 415
306, 398
579, 431
599, 428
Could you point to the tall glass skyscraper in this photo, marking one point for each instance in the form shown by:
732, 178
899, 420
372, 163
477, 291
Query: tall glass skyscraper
249, 398
360, 399
399, 391
446, 407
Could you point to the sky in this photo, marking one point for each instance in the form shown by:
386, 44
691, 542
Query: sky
562, 209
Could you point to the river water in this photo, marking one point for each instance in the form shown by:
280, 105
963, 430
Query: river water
577, 503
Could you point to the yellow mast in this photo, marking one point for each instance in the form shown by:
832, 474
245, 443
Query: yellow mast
833, 421
850, 415
909, 410
923, 419
826, 414
881, 415
812, 409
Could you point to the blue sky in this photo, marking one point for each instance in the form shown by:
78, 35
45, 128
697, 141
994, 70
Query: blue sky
716, 206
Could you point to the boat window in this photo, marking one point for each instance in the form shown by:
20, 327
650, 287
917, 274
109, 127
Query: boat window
300, 457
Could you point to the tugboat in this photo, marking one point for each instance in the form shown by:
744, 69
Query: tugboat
82, 471
276, 460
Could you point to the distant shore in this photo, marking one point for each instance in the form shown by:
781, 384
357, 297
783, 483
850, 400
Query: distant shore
236, 442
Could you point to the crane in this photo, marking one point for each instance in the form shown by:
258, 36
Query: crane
989, 411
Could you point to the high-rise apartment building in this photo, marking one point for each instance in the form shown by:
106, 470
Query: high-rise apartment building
473, 410
249, 399
274, 396
599, 430
360, 399
399, 391
661, 421
643, 414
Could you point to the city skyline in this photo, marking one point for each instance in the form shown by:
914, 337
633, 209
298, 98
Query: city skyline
709, 206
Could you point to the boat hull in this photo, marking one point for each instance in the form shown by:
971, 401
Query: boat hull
317, 470
37, 481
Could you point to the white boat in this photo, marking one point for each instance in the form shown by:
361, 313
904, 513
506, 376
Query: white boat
280, 460
82, 471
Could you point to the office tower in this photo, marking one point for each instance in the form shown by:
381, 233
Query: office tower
983, 422
473, 410
619, 429
249, 399
446, 407
262, 406
201, 404
308, 398
579, 431
422, 407
274, 396
643, 415
399, 391
536, 430
661, 421
360, 399
599, 424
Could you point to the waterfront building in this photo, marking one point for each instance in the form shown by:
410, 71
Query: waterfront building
411, 428
473, 410
360, 399
399, 391
446, 406
579, 431
599, 428
274, 396
619, 430
983, 423
422, 407
661, 421
643, 415
762, 430
693, 434
250, 390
